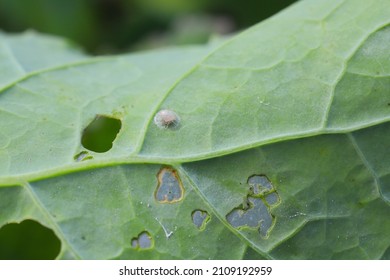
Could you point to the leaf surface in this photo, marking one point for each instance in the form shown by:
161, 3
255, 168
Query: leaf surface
281, 151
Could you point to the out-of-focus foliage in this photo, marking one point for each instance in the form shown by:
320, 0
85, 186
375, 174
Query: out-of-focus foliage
107, 26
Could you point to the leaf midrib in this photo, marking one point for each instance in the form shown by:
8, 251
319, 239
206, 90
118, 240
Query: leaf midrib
50, 220
135, 157
7, 181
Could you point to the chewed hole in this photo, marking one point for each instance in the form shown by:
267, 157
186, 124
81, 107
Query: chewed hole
256, 216
259, 184
28, 240
255, 211
100, 134
134, 243
200, 218
169, 187
143, 241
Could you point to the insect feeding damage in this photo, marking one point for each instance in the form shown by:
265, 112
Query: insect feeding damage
255, 211
143, 241
200, 218
169, 187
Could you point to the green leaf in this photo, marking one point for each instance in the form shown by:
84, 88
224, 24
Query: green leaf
279, 148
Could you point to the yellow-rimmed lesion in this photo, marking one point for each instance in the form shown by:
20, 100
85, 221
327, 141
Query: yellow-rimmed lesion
169, 188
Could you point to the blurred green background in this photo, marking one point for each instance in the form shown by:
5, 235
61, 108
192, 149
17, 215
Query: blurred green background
114, 26
117, 26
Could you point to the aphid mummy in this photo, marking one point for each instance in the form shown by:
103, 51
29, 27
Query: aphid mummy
166, 119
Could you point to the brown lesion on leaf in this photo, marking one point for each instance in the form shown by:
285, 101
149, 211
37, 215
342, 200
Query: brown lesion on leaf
169, 188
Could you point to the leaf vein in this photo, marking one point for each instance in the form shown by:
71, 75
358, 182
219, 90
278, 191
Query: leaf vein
49, 218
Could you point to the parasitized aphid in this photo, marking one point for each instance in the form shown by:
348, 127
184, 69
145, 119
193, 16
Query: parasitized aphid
166, 119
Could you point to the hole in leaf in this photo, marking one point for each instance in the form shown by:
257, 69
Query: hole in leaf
259, 184
169, 188
255, 210
200, 218
143, 241
256, 216
134, 243
28, 240
99, 135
